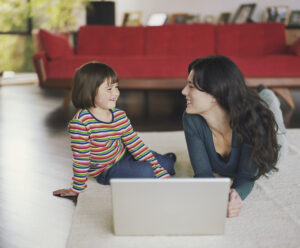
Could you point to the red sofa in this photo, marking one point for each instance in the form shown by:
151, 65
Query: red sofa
158, 57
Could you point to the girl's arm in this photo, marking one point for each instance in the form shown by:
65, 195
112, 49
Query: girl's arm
80, 145
139, 150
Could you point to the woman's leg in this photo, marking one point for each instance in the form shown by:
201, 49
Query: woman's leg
274, 105
128, 167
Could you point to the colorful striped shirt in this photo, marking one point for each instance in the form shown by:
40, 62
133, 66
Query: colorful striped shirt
97, 146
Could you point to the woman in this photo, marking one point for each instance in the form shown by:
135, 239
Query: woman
229, 128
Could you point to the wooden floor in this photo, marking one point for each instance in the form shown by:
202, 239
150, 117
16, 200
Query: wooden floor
34, 161
35, 157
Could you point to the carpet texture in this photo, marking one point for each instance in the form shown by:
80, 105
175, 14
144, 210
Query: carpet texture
270, 215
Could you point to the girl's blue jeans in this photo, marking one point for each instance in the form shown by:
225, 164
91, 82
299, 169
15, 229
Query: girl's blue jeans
128, 167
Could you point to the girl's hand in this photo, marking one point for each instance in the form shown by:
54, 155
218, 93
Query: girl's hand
64, 192
234, 205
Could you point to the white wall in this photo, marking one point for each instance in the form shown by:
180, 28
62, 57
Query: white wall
202, 7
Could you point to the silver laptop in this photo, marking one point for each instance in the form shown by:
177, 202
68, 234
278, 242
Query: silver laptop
177, 206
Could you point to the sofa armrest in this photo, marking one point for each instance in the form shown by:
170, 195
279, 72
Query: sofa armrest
40, 63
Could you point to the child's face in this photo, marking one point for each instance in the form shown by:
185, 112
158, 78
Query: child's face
107, 95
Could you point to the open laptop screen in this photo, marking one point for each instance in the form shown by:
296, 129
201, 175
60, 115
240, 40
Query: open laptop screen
177, 206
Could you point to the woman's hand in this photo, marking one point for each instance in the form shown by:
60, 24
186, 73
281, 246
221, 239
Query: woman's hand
234, 205
64, 192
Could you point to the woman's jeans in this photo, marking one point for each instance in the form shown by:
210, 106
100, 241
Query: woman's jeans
274, 105
128, 167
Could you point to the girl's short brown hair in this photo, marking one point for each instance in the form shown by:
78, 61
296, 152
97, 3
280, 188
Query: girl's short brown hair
87, 80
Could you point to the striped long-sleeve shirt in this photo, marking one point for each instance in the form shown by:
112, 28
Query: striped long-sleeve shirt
97, 146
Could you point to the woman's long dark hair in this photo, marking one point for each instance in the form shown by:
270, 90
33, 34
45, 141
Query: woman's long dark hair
250, 117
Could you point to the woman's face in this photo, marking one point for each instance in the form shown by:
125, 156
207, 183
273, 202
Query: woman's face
197, 102
107, 95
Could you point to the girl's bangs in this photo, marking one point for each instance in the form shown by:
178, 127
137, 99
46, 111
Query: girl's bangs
112, 79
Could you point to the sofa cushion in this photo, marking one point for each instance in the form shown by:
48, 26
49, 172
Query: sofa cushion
250, 40
175, 66
180, 40
295, 48
110, 41
55, 45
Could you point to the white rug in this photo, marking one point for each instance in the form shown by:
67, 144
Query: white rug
270, 216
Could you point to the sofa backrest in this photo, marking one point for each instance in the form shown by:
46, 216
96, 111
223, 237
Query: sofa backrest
251, 39
168, 40
195, 40
110, 41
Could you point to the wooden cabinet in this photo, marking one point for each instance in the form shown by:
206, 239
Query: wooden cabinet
292, 34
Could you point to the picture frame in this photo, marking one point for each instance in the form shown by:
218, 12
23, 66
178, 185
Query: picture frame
192, 19
184, 18
224, 18
157, 19
294, 20
132, 18
178, 18
209, 19
277, 14
244, 13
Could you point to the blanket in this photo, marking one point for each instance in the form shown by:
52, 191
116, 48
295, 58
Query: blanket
270, 216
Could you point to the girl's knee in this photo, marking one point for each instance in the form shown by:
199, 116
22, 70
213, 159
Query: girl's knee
146, 171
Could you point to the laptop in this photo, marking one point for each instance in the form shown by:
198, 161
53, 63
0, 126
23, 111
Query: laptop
176, 206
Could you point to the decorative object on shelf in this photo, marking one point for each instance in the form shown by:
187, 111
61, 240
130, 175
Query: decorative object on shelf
224, 18
276, 14
178, 18
294, 20
183, 18
244, 13
157, 19
209, 19
132, 18
190, 19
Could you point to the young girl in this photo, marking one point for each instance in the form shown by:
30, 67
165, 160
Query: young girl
229, 128
103, 142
